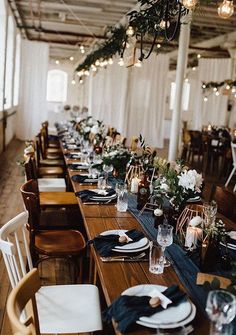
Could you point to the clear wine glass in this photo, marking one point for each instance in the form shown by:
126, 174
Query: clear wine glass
165, 239
213, 210
221, 309
107, 168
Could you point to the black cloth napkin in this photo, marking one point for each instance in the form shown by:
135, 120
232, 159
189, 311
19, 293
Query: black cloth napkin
126, 310
77, 166
83, 179
104, 244
87, 195
68, 155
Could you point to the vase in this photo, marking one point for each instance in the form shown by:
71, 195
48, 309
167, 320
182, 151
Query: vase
209, 255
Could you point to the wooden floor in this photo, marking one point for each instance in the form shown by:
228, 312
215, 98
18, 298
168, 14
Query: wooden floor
11, 178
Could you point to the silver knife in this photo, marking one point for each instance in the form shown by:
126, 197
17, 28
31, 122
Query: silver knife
111, 259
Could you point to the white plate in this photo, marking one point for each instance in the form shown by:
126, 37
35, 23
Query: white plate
232, 234
140, 245
229, 245
197, 198
105, 198
171, 325
177, 314
72, 146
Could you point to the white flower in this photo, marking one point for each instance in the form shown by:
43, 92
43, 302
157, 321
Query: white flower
158, 212
164, 187
87, 129
95, 129
190, 180
90, 121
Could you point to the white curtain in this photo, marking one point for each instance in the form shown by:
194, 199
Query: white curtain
146, 100
213, 111
132, 100
108, 96
32, 99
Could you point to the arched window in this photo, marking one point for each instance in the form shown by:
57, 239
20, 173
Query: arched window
9, 63
17, 70
2, 47
57, 86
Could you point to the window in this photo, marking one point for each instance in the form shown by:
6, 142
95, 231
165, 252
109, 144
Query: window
57, 86
2, 47
9, 63
17, 70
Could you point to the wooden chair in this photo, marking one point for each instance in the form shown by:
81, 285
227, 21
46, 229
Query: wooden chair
44, 184
50, 242
42, 158
51, 140
226, 202
195, 147
48, 152
66, 201
61, 308
233, 149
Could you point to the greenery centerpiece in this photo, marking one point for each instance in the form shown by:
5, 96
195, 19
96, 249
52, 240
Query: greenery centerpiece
118, 157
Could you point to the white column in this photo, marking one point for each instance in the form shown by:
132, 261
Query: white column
180, 73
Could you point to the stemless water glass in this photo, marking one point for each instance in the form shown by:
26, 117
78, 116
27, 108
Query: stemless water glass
165, 239
122, 198
156, 259
107, 168
221, 309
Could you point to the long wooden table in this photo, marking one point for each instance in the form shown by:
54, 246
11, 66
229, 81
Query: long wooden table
117, 276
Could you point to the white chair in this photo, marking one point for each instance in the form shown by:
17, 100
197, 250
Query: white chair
61, 308
233, 148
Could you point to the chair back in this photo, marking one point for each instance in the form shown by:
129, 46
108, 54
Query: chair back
15, 249
30, 169
226, 202
233, 149
195, 139
22, 301
38, 155
30, 195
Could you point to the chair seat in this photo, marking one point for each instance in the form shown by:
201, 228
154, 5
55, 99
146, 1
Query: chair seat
58, 199
82, 314
52, 184
52, 171
59, 242
51, 162
54, 150
54, 156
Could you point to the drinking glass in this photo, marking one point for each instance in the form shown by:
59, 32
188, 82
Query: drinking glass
107, 168
213, 211
122, 199
165, 239
221, 309
102, 184
156, 259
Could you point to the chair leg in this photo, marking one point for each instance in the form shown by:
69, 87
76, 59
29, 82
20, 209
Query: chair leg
230, 176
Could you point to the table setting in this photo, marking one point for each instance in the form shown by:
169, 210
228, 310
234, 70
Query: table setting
174, 189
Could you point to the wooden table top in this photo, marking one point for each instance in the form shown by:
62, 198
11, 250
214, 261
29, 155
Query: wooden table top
117, 276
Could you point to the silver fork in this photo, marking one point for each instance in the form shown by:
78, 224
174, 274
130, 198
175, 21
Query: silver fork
124, 258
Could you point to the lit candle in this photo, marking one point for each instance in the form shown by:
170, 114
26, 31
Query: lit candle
193, 234
134, 185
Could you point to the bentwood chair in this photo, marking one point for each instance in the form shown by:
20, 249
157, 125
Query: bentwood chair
51, 140
57, 309
51, 241
44, 184
48, 152
233, 149
226, 202
63, 207
42, 158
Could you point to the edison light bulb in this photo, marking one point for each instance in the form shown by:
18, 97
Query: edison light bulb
130, 31
226, 9
164, 24
189, 4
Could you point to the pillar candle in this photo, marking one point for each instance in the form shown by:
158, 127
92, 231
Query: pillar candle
193, 234
134, 185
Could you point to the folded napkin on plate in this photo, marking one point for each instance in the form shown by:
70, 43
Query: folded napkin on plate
105, 243
68, 155
78, 166
83, 179
126, 310
88, 195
